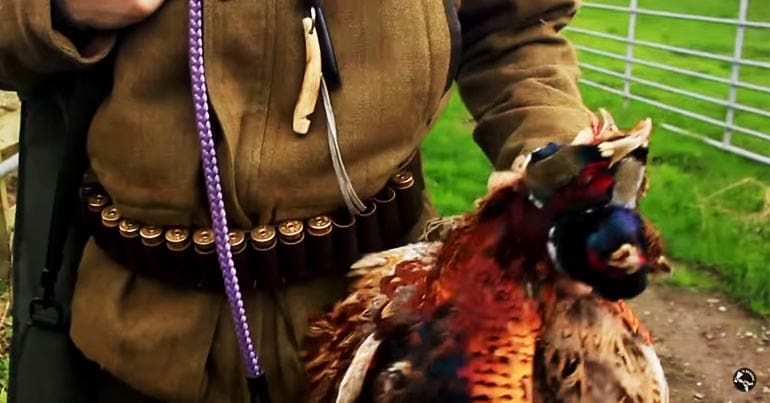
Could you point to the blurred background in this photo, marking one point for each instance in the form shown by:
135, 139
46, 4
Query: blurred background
701, 70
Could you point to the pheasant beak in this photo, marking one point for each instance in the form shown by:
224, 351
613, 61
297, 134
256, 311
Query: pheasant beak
627, 258
609, 122
618, 149
661, 266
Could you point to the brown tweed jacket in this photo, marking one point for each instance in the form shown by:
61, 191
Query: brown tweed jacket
514, 71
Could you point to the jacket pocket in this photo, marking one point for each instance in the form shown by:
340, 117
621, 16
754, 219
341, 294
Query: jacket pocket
455, 32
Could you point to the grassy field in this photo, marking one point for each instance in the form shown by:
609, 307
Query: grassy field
712, 207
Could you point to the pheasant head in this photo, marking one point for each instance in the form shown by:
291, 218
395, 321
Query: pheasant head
585, 196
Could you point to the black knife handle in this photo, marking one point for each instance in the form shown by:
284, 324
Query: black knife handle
329, 68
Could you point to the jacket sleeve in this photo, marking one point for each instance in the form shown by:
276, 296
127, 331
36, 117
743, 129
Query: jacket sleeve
33, 45
518, 76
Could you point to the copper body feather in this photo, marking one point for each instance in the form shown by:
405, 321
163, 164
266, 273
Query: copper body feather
482, 315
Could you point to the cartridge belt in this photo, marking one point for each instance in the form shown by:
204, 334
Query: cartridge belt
265, 256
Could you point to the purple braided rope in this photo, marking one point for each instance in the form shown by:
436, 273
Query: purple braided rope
214, 190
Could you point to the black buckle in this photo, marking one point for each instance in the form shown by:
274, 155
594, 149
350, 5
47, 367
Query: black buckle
48, 314
46, 311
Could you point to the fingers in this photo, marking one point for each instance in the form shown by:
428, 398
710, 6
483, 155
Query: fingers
108, 14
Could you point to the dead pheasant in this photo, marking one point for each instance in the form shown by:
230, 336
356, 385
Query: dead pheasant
521, 300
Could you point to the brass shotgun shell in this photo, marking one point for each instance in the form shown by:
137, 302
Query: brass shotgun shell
237, 241
151, 235
110, 217
129, 228
177, 238
262, 237
291, 230
319, 225
402, 180
97, 202
203, 241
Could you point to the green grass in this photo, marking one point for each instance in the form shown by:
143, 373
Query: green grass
686, 275
712, 207
456, 170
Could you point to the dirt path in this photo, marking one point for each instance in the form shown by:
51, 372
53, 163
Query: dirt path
702, 339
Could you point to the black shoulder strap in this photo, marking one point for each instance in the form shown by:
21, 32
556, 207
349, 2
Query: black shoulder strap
48, 241
78, 100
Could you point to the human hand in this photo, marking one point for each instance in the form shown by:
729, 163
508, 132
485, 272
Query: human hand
107, 14
550, 167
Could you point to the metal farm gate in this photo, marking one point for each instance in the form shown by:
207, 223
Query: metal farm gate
629, 85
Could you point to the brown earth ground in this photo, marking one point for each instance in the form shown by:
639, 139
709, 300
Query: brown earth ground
702, 337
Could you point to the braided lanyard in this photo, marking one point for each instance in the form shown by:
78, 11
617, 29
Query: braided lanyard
254, 371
